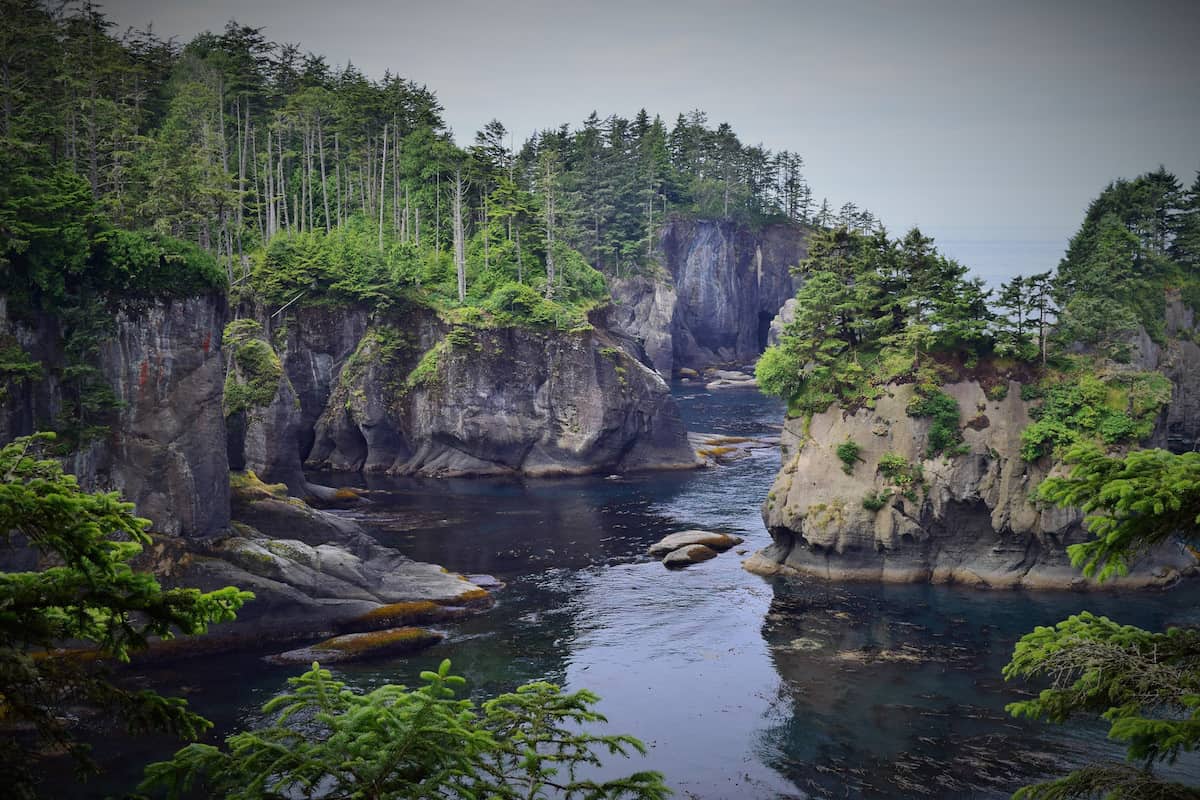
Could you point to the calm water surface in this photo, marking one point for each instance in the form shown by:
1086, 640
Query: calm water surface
741, 686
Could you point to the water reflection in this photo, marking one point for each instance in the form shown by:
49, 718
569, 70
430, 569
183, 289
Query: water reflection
896, 691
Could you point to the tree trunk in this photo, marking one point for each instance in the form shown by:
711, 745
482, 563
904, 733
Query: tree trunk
460, 259
382, 175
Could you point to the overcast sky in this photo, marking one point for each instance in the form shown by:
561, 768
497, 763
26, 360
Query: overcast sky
989, 124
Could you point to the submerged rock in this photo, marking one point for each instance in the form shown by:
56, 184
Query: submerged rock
362, 646
711, 539
690, 554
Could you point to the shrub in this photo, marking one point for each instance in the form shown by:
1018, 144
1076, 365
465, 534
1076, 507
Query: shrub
518, 303
945, 433
254, 367
1081, 406
875, 501
848, 452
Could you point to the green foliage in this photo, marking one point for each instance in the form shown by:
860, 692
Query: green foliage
88, 397
324, 740
1131, 503
516, 303
1146, 685
16, 366
89, 595
848, 452
945, 432
427, 372
870, 312
254, 367
1136, 242
876, 501
1080, 406
997, 391
345, 265
908, 478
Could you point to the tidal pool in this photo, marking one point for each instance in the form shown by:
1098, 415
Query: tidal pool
741, 686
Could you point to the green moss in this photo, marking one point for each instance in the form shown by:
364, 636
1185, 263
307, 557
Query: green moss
254, 368
427, 373
390, 641
247, 486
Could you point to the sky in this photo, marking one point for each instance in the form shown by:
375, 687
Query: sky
988, 124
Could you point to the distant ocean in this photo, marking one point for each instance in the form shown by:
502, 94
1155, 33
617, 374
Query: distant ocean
997, 260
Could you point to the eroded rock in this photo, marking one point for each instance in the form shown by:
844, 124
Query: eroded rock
689, 554
711, 539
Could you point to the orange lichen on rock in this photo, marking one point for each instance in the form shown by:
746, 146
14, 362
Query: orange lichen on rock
406, 613
392, 640
474, 598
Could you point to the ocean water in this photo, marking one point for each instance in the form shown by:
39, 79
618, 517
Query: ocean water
741, 686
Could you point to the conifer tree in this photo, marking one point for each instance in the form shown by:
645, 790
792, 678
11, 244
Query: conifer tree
90, 596
1146, 685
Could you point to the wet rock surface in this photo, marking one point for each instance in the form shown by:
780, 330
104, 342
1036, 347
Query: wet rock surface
362, 646
688, 555
712, 539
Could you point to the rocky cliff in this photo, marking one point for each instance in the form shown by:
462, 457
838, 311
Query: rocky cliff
164, 449
412, 394
721, 286
965, 519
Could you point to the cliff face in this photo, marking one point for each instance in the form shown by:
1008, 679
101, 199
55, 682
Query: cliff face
165, 449
973, 521
726, 284
414, 395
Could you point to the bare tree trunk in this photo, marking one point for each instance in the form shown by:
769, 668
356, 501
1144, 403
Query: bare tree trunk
404, 225
460, 259
549, 220
282, 187
382, 176
269, 190
337, 166
520, 265
324, 185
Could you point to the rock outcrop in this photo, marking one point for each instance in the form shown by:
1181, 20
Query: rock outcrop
416, 395
967, 518
721, 286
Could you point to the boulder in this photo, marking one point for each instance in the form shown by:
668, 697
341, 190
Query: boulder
362, 646
691, 554
711, 539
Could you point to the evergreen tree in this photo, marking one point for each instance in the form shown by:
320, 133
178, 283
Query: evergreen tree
91, 596
1145, 684
392, 743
